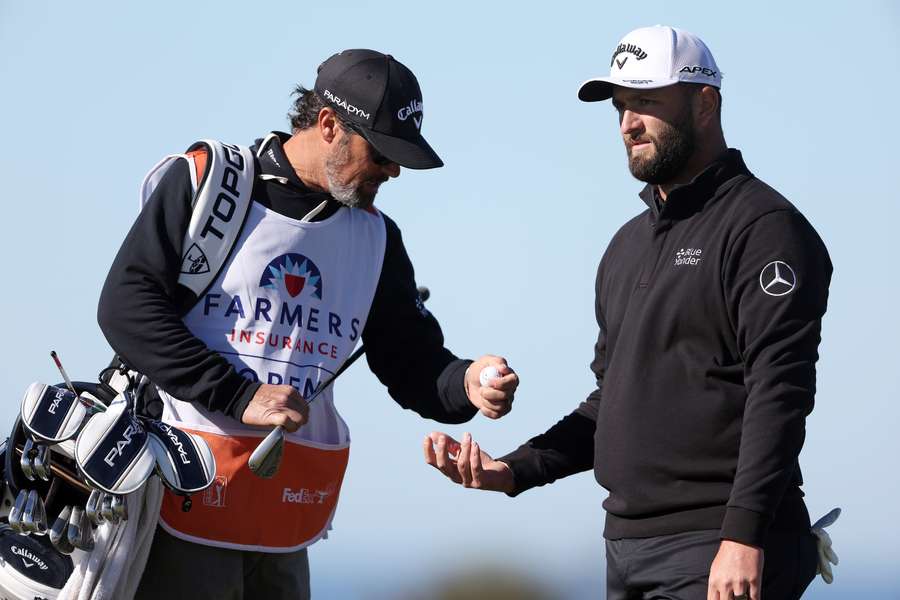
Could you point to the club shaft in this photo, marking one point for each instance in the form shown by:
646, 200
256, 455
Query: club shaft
62, 371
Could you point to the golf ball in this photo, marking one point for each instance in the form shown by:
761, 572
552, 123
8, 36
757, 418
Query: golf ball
487, 374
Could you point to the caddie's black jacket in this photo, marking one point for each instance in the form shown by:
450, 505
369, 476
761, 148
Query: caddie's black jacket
141, 306
710, 312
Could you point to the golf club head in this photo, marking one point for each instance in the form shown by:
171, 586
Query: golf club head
51, 413
39, 514
92, 507
59, 529
41, 462
184, 460
26, 459
28, 523
15, 513
112, 451
79, 532
34, 517
120, 508
106, 510
266, 459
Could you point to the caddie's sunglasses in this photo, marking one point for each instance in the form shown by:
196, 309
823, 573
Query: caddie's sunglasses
374, 155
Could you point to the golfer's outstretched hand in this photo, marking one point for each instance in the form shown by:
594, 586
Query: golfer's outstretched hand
495, 398
466, 463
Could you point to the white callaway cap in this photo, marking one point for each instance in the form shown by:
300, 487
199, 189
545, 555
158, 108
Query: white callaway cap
654, 57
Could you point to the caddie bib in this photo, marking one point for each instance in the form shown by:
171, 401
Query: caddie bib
288, 307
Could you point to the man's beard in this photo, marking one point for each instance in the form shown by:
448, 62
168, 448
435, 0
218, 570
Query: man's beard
674, 146
345, 193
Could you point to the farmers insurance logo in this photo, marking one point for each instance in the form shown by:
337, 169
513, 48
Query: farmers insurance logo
777, 278
294, 274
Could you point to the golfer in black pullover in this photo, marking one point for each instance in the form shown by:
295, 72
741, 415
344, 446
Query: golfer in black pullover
709, 305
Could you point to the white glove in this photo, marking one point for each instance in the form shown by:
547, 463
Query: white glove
827, 557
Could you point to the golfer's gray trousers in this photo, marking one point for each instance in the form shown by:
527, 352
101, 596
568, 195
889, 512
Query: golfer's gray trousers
179, 570
676, 567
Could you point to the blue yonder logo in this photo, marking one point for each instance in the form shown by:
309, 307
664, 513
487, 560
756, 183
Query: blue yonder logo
295, 274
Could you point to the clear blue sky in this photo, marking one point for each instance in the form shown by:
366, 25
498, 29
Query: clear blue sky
507, 235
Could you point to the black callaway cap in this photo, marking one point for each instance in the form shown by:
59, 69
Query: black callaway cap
382, 99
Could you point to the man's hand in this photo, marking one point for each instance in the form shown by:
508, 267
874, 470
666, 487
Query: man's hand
276, 405
495, 399
736, 572
466, 463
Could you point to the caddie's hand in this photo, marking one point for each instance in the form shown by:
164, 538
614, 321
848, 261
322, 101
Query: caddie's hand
466, 463
736, 572
495, 398
274, 405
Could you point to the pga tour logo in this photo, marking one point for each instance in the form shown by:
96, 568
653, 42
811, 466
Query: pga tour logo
688, 256
214, 495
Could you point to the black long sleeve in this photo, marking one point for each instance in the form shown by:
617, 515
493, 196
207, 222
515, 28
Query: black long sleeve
405, 345
566, 448
141, 306
778, 338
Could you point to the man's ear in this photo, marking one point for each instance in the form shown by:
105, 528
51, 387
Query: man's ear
706, 105
328, 125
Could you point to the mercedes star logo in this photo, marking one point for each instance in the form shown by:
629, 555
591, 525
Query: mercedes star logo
777, 278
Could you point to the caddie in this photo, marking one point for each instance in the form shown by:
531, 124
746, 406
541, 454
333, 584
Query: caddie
246, 281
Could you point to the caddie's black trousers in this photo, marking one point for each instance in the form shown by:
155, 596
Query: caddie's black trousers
676, 567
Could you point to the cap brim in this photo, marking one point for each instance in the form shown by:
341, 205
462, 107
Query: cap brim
601, 88
410, 154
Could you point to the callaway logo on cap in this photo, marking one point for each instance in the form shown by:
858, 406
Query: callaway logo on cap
382, 101
654, 57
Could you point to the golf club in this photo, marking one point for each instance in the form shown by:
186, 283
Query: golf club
79, 532
266, 459
120, 508
95, 406
41, 462
106, 510
15, 513
58, 531
92, 508
25, 461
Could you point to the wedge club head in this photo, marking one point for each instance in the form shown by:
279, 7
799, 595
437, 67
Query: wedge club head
92, 508
58, 531
41, 462
266, 459
26, 461
15, 513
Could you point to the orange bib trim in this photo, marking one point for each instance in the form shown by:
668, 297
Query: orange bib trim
244, 512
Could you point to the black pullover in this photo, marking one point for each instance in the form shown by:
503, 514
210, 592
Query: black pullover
704, 378
142, 303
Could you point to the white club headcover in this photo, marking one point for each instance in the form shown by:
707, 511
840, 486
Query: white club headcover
50, 413
112, 451
184, 460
